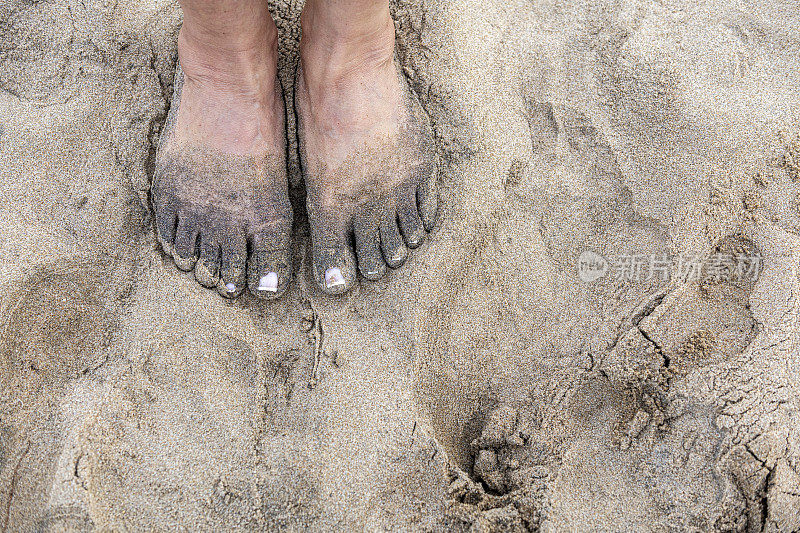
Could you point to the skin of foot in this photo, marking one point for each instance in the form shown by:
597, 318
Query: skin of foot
220, 190
366, 151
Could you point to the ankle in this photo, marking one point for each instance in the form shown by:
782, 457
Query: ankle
242, 67
334, 55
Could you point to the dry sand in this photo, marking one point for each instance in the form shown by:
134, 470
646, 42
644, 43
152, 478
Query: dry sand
483, 387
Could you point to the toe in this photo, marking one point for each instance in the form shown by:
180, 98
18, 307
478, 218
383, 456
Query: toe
269, 273
334, 267
185, 243
394, 249
232, 272
428, 200
368, 249
166, 222
269, 267
206, 271
410, 223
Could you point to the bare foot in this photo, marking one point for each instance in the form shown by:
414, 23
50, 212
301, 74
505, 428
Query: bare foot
220, 187
367, 155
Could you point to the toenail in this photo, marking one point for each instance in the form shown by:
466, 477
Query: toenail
230, 287
333, 277
269, 283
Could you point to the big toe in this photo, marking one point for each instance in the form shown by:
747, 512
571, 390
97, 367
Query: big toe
334, 268
269, 273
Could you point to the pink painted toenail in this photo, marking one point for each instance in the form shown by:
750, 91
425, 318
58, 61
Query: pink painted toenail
230, 287
334, 278
269, 283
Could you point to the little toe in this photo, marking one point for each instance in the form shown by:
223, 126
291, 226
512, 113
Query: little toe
166, 223
269, 273
334, 268
206, 271
428, 200
185, 255
233, 269
394, 249
410, 223
368, 250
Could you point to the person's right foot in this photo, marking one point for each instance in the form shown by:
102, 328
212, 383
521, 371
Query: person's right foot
220, 187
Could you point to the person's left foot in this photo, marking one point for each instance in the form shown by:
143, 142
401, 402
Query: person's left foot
368, 162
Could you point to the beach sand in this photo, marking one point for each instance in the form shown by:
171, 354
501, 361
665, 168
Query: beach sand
491, 384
